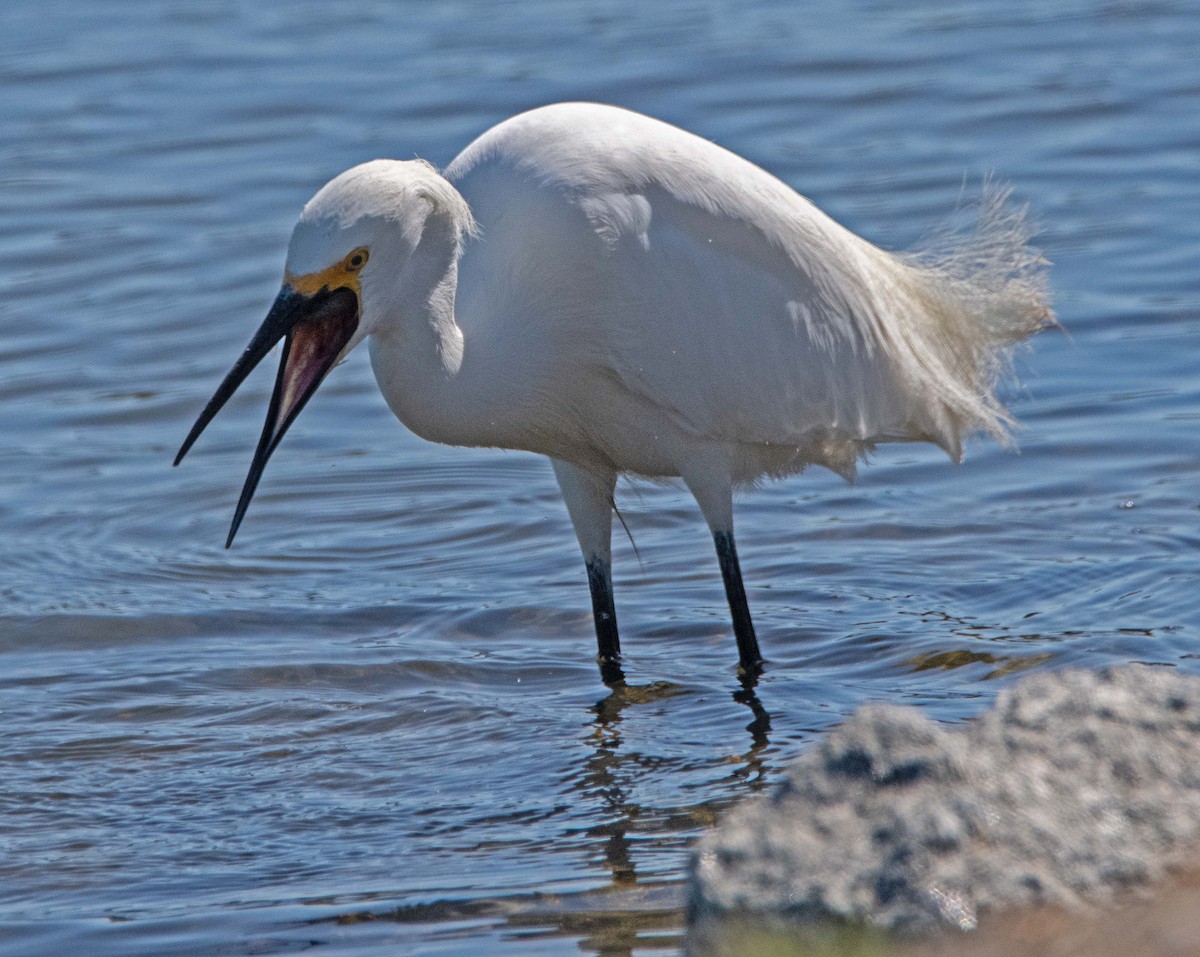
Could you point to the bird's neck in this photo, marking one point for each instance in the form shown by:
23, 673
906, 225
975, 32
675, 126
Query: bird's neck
420, 357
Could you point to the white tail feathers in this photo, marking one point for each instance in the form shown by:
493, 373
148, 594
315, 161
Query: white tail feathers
961, 302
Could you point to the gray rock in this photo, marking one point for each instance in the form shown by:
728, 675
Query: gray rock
1076, 789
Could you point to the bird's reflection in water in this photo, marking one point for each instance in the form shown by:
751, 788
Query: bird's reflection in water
632, 912
751, 765
610, 775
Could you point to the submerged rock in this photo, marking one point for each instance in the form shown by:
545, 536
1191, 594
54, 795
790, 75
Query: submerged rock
1077, 788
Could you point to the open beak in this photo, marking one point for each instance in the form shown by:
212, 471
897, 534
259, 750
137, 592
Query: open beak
314, 329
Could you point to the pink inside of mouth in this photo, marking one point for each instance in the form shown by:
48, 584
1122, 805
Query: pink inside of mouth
313, 347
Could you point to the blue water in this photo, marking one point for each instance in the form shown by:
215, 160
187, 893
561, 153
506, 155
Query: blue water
375, 726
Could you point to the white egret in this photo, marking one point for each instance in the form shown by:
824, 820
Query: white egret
625, 297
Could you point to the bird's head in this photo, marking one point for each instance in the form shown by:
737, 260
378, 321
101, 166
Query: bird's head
350, 254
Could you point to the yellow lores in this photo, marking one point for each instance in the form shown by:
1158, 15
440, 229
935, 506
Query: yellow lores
343, 275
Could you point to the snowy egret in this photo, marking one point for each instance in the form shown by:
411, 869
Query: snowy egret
625, 297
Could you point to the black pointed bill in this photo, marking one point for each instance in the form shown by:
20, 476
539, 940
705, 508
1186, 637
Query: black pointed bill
314, 329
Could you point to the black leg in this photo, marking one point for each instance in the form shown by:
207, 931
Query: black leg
605, 614
743, 628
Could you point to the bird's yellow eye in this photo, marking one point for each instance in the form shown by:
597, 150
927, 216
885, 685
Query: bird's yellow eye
356, 260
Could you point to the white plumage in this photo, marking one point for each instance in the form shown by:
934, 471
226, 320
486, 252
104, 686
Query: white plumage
622, 296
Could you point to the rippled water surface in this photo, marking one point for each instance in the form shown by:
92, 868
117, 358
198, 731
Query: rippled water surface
374, 726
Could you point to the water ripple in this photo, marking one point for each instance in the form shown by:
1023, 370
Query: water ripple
374, 725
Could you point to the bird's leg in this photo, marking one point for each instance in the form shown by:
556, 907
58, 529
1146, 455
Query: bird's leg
604, 613
709, 478
589, 498
749, 656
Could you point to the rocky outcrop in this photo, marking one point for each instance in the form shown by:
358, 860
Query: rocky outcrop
1077, 788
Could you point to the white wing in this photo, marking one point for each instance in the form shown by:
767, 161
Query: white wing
717, 293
